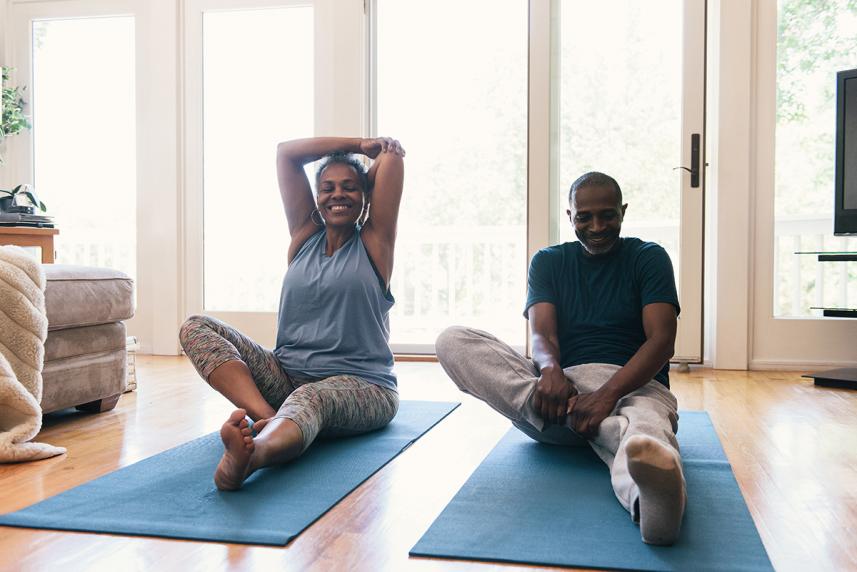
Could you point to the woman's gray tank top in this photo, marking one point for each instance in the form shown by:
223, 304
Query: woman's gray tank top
334, 314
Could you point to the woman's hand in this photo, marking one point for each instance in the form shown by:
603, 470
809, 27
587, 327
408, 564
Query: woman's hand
374, 147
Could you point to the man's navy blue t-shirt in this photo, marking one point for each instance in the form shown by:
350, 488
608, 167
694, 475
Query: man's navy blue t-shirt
599, 299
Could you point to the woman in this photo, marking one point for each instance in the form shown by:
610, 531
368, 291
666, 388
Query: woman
332, 370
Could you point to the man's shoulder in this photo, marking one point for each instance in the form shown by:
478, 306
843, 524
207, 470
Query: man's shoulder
635, 244
555, 253
635, 249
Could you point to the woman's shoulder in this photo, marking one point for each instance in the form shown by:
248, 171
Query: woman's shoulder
306, 243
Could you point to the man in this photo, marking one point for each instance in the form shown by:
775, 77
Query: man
602, 314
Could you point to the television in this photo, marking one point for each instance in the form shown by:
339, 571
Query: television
845, 176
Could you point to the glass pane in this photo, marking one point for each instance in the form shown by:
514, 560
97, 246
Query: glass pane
258, 91
620, 110
84, 135
815, 40
459, 108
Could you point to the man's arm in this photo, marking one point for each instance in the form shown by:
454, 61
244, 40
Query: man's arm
587, 411
553, 389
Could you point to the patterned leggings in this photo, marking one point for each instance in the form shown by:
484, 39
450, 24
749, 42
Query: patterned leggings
330, 407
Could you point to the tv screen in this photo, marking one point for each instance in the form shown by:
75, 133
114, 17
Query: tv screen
845, 209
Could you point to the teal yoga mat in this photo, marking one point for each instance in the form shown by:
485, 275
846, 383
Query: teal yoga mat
172, 494
542, 504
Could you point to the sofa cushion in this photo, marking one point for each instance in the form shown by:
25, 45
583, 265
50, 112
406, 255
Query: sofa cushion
80, 379
85, 296
72, 342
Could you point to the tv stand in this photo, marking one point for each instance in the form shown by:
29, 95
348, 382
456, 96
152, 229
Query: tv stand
847, 376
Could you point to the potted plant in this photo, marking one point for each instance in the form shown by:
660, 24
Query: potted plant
13, 120
14, 199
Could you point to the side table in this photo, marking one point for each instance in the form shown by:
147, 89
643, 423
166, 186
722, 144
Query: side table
31, 236
846, 376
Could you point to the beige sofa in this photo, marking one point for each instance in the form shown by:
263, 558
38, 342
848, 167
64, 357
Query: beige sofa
85, 357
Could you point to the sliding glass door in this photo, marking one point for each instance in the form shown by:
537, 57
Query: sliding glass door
257, 74
626, 94
460, 109
630, 82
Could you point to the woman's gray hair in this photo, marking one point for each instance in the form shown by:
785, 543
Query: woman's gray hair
344, 159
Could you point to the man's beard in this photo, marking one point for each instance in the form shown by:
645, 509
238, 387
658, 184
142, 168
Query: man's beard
603, 246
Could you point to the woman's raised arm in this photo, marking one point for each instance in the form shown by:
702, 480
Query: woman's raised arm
386, 179
295, 189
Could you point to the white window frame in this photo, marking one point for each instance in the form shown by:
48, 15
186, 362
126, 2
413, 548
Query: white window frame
169, 140
782, 342
157, 221
543, 183
339, 26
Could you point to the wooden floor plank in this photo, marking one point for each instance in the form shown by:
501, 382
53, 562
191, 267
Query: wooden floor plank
793, 447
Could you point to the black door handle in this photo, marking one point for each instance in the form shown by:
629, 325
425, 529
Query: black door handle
694, 161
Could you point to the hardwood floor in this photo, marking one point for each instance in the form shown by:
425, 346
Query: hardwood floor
793, 447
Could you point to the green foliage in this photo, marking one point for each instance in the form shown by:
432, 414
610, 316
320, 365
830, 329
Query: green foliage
810, 37
815, 39
14, 121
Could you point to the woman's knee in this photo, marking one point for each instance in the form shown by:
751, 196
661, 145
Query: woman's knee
190, 327
336, 411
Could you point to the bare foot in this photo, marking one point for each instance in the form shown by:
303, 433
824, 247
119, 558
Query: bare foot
235, 463
260, 424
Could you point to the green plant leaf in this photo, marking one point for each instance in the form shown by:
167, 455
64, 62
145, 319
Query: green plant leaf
31, 196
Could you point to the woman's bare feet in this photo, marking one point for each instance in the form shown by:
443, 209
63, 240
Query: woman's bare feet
235, 464
260, 424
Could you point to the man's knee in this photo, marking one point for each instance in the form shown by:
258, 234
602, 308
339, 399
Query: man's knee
449, 343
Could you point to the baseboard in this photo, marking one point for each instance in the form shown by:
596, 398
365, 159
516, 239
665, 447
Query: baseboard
798, 365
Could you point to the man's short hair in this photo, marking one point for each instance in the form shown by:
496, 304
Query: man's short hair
595, 179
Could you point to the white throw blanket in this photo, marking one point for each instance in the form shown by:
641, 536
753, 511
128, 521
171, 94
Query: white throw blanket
23, 329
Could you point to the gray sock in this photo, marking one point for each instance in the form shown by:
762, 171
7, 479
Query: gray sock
656, 469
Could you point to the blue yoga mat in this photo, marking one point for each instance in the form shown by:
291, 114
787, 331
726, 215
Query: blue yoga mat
542, 504
172, 494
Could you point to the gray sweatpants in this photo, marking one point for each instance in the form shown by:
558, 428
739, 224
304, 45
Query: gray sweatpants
487, 368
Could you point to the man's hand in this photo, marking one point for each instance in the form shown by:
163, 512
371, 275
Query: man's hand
586, 412
552, 393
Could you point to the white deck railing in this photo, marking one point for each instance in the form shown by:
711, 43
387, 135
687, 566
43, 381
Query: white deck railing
800, 280
477, 275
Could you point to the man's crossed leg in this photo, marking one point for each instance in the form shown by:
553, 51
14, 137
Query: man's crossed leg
637, 441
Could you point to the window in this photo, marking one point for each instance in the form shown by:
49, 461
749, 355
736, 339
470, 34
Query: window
631, 94
84, 137
620, 111
815, 39
257, 91
459, 107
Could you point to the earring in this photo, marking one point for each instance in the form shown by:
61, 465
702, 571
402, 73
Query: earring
320, 218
